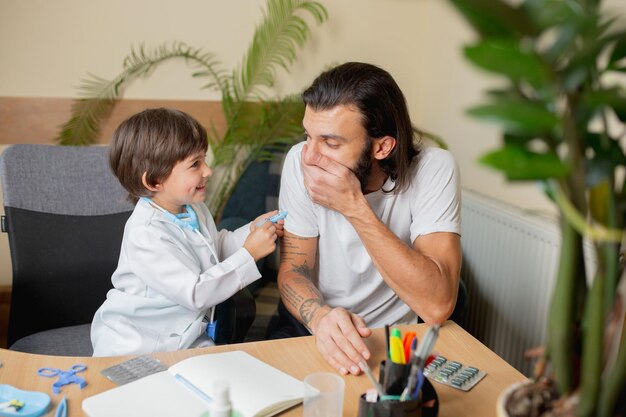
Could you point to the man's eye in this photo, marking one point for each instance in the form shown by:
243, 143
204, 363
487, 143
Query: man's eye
332, 145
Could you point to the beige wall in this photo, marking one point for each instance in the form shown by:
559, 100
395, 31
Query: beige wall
46, 47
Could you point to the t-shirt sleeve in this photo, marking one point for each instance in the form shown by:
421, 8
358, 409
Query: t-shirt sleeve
436, 202
293, 198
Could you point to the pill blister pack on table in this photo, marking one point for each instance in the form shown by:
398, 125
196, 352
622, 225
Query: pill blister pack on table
453, 373
133, 369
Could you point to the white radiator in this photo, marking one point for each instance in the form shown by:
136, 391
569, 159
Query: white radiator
510, 259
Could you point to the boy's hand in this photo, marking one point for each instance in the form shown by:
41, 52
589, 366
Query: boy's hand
262, 239
262, 219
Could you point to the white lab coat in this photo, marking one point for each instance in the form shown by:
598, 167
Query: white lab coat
166, 282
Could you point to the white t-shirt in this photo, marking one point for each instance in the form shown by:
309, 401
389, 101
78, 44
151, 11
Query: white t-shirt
346, 275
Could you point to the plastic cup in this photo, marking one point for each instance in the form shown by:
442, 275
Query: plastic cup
323, 395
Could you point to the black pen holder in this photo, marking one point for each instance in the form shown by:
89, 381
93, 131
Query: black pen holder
390, 408
393, 378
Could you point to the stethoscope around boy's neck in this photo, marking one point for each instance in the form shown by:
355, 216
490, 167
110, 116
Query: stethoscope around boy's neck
186, 220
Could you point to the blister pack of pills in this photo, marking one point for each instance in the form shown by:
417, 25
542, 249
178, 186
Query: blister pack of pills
453, 373
133, 369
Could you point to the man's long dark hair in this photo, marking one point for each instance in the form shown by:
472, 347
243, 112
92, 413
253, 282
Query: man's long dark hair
382, 106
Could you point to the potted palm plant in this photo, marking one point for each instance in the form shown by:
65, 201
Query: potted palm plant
256, 126
562, 118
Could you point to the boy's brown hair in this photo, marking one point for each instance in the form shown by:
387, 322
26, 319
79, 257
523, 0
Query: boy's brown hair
152, 142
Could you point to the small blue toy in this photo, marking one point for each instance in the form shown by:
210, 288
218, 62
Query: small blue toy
276, 217
65, 377
17, 402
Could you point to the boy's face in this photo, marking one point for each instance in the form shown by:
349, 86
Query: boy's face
185, 185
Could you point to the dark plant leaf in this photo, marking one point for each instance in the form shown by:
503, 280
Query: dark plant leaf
606, 148
584, 61
494, 18
619, 51
518, 163
517, 139
614, 98
523, 117
507, 57
545, 14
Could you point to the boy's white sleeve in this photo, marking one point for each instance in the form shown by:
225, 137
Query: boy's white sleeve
230, 242
163, 266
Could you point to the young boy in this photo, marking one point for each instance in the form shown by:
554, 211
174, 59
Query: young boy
174, 265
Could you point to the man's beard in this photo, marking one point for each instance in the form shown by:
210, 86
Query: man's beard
363, 167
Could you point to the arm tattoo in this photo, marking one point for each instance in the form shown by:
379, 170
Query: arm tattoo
303, 270
308, 308
290, 295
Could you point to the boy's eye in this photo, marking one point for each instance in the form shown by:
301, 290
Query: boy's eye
195, 164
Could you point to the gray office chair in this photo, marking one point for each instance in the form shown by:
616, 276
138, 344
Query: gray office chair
65, 215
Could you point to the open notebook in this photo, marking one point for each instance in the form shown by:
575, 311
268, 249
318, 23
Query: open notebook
256, 389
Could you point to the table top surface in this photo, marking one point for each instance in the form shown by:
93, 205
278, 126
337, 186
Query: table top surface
297, 357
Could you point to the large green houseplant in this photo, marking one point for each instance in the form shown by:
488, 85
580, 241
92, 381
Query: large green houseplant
562, 116
256, 126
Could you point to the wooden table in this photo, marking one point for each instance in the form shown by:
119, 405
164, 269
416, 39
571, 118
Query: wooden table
297, 357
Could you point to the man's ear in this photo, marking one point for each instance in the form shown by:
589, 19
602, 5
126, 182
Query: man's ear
383, 147
144, 181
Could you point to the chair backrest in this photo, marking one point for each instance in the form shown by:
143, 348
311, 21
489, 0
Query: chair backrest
65, 216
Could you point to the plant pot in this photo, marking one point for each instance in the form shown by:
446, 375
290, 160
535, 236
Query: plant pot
503, 398
526, 398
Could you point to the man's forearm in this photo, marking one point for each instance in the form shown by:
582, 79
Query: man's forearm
424, 279
302, 299
299, 294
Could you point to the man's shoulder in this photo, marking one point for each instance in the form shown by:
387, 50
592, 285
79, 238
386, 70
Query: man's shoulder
292, 159
295, 151
434, 158
434, 153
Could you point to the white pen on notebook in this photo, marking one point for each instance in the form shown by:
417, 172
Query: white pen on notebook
193, 388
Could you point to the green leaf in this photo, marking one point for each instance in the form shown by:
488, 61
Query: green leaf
546, 14
100, 95
606, 148
495, 18
518, 163
585, 58
274, 44
517, 116
506, 57
517, 139
614, 98
619, 51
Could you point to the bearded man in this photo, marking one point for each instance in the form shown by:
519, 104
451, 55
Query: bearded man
373, 231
